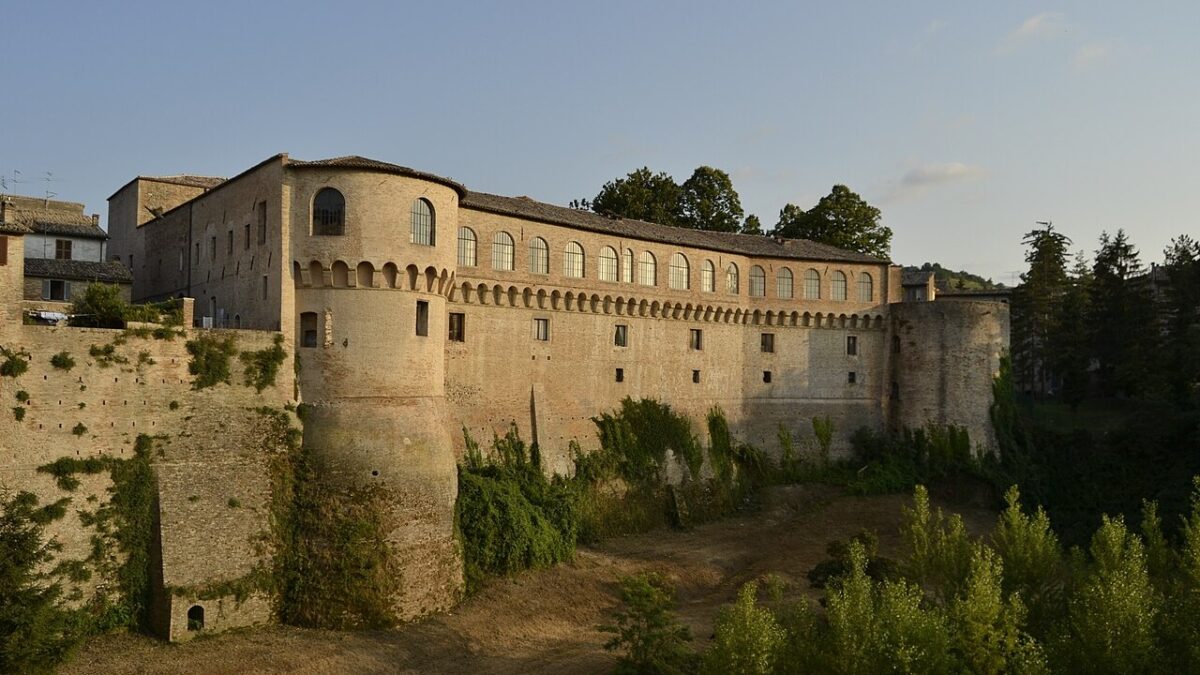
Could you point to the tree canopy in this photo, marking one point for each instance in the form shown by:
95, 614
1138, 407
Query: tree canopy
644, 195
843, 219
709, 202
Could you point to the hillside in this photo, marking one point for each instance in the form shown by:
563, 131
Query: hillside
949, 279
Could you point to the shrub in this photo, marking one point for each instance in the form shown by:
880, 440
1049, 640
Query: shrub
823, 431
15, 362
19, 412
62, 361
210, 359
1032, 560
99, 306
22, 396
747, 638
262, 366
80, 429
939, 550
988, 636
639, 435
646, 631
106, 355
838, 563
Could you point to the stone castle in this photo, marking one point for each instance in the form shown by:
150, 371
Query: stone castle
416, 308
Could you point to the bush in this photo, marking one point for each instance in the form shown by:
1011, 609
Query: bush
15, 362
62, 361
646, 631
747, 638
639, 435
262, 366
80, 429
99, 306
823, 431
210, 359
19, 412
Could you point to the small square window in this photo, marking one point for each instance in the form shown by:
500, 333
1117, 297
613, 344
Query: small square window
62, 249
852, 345
458, 327
768, 343
541, 329
696, 341
422, 317
620, 374
767, 376
851, 377
621, 337
696, 376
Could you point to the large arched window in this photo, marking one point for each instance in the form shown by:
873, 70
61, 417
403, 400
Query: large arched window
758, 282
329, 213
866, 287
708, 275
607, 269
812, 285
627, 266
783, 284
679, 277
539, 256
467, 256
837, 289
731, 279
573, 260
422, 222
647, 269
502, 251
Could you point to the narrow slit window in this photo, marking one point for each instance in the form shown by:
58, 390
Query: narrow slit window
696, 339
458, 327
768, 343
852, 345
696, 376
620, 377
422, 317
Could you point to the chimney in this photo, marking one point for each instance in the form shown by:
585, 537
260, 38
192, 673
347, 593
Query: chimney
96, 219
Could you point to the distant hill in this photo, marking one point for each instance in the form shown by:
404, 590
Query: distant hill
950, 280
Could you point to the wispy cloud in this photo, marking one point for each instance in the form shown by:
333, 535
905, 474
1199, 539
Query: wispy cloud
920, 179
1090, 54
1042, 26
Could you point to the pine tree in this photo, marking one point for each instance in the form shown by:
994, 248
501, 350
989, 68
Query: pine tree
1035, 304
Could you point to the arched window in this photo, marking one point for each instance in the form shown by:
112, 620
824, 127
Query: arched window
758, 282
783, 284
838, 287
502, 251
608, 264
680, 273
647, 269
539, 256
627, 266
731, 278
422, 222
812, 285
329, 213
466, 247
573, 260
866, 287
707, 277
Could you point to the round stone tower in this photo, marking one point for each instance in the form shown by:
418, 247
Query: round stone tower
372, 249
945, 355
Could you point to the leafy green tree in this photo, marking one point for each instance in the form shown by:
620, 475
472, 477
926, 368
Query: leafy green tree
1183, 307
100, 306
1032, 560
709, 202
1070, 348
1114, 609
842, 219
747, 638
1035, 306
653, 640
939, 550
642, 195
35, 631
752, 225
988, 636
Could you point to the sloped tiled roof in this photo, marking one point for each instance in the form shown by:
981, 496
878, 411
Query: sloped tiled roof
112, 271
14, 228
205, 182
357, 162
915, 277
48, 216
71, 229
745, 244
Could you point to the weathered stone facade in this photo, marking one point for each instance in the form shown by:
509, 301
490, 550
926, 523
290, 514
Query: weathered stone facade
418, 308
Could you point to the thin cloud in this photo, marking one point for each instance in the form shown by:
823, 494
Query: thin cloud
1090, 54
1043, 26
920, 179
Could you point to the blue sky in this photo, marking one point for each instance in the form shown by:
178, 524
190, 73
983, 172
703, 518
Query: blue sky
963, 122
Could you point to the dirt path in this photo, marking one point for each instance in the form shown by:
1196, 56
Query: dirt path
545, 621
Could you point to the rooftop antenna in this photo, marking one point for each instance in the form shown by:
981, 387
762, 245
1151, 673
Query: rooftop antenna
7, 184
48, 179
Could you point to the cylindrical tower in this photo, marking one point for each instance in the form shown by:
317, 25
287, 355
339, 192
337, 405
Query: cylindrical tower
945, 356
372, 256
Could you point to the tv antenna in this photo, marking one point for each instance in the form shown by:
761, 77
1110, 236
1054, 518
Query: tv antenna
8, 184
48, 179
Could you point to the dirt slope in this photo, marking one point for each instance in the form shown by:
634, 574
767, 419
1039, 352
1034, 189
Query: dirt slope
545, 621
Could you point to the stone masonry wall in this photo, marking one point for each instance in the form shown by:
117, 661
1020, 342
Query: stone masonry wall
211, 473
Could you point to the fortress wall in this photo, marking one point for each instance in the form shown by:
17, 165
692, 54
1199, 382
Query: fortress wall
210, 450
949, 355
12, 275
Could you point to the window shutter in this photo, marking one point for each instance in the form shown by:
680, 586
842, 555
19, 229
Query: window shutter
3, 250
66, 290
45, 289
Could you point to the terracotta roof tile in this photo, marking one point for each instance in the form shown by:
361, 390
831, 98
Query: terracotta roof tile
78, 270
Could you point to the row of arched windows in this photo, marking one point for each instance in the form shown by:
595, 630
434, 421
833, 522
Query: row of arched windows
329, 218
615, 267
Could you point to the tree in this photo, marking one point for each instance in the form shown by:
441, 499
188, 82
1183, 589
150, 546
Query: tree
100, 306
842, 219
1183, 307
752, 225
709, 202
1123, 320
653, 197
1069, 336
1035, 304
